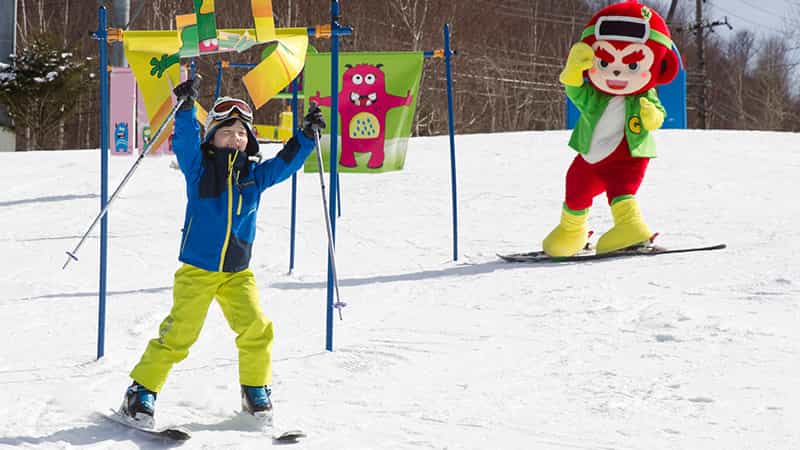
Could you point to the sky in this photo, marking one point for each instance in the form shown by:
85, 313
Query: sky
761, 16
682, 351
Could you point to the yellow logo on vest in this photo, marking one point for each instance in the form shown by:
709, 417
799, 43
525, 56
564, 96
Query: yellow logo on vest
635, 125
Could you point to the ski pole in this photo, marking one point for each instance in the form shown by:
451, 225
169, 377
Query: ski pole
73, 254
339, 304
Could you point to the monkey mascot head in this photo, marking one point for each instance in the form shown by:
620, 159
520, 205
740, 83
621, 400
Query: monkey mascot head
633, 49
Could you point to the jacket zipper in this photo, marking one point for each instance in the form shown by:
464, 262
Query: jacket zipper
231, 161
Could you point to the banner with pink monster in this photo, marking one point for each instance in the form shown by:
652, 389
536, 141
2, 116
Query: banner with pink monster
377, 99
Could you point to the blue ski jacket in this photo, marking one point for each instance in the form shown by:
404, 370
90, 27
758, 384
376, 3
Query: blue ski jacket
223, 189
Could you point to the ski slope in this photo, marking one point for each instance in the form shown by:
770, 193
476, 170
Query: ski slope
686, 351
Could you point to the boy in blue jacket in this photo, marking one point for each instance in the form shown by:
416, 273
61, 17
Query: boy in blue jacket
223, 186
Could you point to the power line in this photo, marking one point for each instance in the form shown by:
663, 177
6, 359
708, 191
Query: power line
752, 22
759, 8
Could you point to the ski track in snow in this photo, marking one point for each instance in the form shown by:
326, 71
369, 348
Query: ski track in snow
682, 351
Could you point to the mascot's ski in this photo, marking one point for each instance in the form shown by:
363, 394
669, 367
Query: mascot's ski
588, 255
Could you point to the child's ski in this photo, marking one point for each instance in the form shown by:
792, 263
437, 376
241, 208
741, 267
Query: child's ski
170, 433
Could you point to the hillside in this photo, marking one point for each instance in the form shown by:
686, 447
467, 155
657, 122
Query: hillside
674, 352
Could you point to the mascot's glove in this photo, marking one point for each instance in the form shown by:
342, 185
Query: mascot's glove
652, 117
313, 122
581, 58
188, 92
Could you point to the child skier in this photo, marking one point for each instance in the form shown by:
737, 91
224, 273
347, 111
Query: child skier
224, 187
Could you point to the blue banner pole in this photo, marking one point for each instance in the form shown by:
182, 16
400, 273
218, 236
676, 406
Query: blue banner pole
293, 220
336, 31
101, 34
450, 122
219, 80
334, 174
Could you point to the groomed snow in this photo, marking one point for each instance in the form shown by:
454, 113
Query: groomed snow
687, 351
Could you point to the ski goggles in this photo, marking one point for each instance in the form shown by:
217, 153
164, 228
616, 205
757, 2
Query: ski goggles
626, 29
227, 107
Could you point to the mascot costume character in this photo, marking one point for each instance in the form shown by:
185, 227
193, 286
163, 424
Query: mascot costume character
624, 52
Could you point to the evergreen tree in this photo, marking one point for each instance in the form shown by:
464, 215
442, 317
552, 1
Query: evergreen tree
39, 88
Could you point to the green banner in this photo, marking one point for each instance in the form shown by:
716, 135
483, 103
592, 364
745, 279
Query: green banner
377, 98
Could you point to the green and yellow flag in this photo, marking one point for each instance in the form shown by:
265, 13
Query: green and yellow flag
154, 56
377, 98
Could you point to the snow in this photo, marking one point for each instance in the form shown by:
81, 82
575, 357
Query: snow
685, 351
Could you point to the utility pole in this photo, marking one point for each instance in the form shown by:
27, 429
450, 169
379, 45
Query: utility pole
8, 35
701, 64
671, 12
699, 29
120, 18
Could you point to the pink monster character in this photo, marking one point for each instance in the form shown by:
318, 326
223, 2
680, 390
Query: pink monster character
363, 104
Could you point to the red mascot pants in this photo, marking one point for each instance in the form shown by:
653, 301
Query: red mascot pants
616, 175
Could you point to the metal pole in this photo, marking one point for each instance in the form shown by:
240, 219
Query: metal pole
120, 18
106, 206
334, 177
102, 35
331, 247
671, 12
701, 64
451, 121
293, 220
219, 80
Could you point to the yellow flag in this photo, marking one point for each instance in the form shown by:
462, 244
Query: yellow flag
264, 21
141, 49
277, 70
154, 57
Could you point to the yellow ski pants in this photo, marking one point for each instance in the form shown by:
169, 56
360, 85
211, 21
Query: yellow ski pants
194, 289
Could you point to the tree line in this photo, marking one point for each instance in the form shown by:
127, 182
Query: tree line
505, 71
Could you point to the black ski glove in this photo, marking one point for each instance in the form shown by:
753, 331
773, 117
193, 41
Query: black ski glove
313, 122
188, 91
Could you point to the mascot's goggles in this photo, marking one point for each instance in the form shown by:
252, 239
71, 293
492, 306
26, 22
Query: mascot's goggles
228, 107
626, 29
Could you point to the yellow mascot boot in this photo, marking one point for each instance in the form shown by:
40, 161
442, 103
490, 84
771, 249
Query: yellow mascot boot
629, 227
570, 236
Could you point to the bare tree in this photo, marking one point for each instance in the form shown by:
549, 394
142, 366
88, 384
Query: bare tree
741, 50
412, 14
505, 72
772, 84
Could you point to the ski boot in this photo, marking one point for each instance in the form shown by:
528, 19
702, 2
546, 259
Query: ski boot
139, 405
256, 402
569, 236
629, 228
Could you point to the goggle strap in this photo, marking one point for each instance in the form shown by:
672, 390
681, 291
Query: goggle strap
656, 36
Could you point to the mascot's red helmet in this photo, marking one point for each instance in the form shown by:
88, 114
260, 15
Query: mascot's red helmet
630, 22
